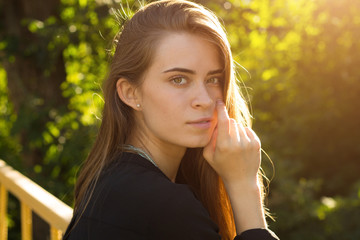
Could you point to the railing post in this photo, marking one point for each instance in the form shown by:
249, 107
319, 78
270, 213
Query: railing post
33, 198
3, 213
26, 222
55, 234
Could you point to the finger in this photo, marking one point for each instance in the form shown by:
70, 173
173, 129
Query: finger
223, 121
234, 130
253, 136
242, 133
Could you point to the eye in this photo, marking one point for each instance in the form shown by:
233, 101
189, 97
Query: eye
179, 80
214, 80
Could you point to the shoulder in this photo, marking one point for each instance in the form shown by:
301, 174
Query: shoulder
134, 194
137, 183
134, 178
130, 181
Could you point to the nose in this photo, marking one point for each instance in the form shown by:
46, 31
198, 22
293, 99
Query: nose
202, 98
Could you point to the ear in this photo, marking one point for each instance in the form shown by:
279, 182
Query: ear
127, 93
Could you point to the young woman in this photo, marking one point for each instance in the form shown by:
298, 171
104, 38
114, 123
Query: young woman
175, 157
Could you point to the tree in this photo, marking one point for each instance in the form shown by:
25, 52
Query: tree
302, 57
302, 79
34, 74
48, 119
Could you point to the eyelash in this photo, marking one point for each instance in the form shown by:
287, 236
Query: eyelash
218, 80
176, 78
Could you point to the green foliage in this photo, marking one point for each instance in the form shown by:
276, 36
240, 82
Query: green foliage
302, 79
302, 57
8, 144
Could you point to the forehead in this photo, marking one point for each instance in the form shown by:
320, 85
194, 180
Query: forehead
187, 50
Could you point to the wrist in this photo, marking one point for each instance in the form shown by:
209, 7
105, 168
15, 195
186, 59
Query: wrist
243, 186
246, 202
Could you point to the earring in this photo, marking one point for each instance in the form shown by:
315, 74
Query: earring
138, 105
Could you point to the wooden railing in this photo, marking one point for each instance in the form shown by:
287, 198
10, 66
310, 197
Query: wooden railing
32, 197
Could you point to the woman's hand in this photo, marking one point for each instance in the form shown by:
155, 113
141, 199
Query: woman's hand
234, 153
234, 150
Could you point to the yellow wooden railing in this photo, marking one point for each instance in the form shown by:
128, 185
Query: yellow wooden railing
32, 197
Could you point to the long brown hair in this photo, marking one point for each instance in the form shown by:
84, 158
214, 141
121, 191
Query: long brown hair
135, 48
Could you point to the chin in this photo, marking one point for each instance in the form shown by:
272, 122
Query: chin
199, 143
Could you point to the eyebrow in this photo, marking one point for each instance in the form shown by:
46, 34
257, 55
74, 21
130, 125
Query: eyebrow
185, 70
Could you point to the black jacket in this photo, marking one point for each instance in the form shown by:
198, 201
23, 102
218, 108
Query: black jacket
134, 200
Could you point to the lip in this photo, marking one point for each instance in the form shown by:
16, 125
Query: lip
202, 123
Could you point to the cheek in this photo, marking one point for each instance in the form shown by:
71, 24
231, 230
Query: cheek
216, 93
160, 106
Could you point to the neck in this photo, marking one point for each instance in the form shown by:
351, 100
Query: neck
166, 156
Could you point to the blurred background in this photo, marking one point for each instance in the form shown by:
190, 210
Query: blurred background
302, 77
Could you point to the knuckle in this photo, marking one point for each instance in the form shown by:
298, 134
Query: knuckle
256, 144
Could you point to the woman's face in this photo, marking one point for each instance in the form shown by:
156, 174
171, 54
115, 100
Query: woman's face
180, 90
